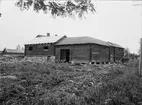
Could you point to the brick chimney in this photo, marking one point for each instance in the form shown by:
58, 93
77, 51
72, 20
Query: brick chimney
48, 34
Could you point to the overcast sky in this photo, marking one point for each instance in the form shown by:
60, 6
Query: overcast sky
116, 21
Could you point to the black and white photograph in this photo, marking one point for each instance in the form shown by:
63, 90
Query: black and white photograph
70, 52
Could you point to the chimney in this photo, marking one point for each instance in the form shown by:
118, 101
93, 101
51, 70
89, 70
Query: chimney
48, 34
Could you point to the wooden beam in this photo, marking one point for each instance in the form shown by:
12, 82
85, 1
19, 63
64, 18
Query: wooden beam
90, 52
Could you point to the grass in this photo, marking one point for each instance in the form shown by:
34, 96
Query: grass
63, 84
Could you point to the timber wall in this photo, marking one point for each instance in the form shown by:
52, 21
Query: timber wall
119, 53
85, 52
99, 53
78, 53
38, 50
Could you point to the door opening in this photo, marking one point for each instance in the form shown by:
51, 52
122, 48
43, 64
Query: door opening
65, 55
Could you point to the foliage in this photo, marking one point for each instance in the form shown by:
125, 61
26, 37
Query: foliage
133, 56
62, 8
130, 55
64, 84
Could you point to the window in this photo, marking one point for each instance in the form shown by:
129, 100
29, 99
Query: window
45, 48
30, 48
120, 49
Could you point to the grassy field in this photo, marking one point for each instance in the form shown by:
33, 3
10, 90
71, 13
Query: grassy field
32, 83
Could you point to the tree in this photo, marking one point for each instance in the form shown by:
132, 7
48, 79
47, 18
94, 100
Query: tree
18, 47
133, 56
126, 52
22, 48
62, 8
129, 55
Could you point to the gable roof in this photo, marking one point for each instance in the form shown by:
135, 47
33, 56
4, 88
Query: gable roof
114, 45
41, 39
81, 40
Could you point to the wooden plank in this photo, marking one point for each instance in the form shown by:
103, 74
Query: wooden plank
39, 50
100, 53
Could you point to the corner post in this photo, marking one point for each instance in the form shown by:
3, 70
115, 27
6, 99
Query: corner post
140, 59
91, 52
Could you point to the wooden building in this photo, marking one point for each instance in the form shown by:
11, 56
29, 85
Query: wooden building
12, 52
87, 49
82, 49
0, 53
42, 45
78, 49
116, 51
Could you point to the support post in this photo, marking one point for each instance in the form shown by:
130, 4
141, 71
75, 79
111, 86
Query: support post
90, 52
140, 59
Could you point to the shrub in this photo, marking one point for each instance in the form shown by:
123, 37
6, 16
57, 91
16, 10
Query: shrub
49, 83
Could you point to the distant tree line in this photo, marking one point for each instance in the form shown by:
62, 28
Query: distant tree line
129, 55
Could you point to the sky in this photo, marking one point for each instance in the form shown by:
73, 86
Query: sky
115, 21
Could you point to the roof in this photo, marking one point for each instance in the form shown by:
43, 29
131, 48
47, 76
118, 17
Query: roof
41, 39
114, 45
81, 40
13, 51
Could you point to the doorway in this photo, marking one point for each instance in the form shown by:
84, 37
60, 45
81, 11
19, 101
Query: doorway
65, 55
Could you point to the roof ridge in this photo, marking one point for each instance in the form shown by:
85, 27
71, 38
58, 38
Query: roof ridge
46, 39
82, 39
88, 37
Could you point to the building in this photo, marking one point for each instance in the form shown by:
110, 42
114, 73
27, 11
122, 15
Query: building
12, 52
87, 49
116, 51
78, 49
42, 45
0, 53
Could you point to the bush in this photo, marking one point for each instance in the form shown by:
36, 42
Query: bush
49, 83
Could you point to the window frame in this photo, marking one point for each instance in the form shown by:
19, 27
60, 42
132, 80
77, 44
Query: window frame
46, 48
30, 48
